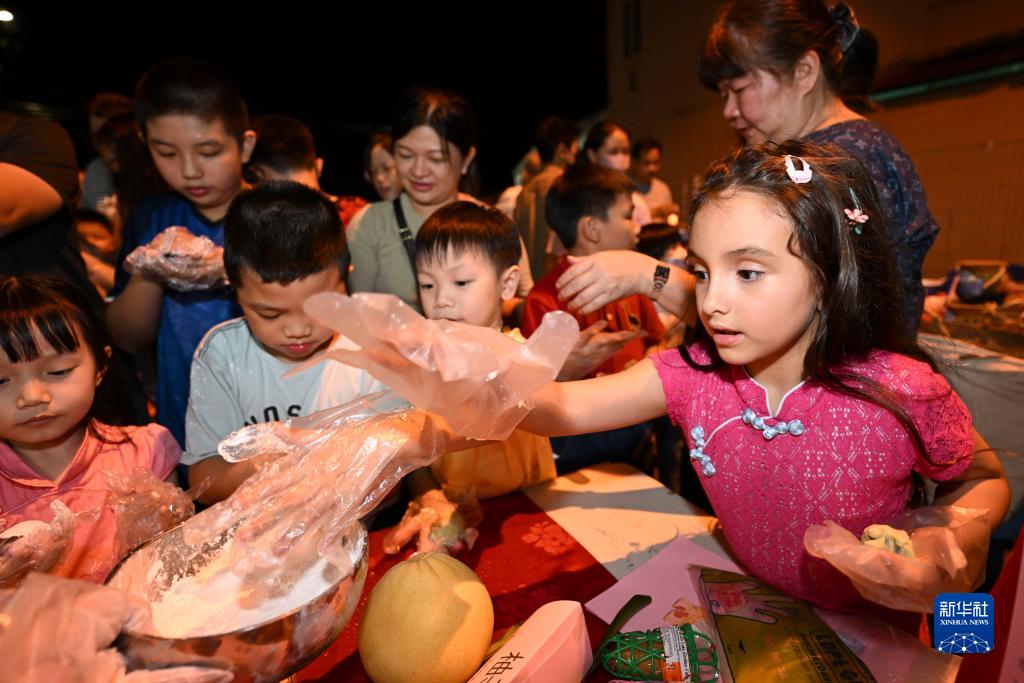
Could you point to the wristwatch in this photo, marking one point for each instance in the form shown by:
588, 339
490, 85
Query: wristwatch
660, 278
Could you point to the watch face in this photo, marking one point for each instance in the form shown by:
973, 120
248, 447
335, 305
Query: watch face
660, 277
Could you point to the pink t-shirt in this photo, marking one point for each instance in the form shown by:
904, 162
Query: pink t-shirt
823, 456
25, 495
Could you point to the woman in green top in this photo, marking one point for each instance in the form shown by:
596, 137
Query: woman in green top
434, 136
434, 143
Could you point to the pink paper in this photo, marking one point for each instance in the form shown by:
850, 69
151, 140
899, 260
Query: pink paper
665, 578
674, 598
551, 647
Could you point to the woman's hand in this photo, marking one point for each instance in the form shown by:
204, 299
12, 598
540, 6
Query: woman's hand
607, 276
595, 280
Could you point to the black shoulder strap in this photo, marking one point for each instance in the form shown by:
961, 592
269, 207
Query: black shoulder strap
403, 229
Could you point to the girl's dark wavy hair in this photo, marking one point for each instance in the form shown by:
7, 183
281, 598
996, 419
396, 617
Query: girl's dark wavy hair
858, 290
50, 308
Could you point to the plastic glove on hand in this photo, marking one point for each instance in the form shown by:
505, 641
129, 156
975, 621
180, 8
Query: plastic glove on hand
146, 506
33, 546
478, 379
180, 260
54, 629
950, 545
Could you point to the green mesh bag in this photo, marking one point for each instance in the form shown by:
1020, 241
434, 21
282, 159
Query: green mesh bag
676, 653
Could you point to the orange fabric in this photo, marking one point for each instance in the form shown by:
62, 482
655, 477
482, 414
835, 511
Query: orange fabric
522, 460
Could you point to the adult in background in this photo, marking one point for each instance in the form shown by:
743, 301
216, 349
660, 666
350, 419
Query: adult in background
557, 146
98, 181
434, 135
645, 167
607, 144
38, 193
792, 69
379, 166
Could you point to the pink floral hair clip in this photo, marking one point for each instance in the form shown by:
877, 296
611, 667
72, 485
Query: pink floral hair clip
799, 177
855, 217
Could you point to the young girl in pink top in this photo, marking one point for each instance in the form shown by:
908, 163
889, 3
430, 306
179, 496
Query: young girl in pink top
801, 397
55, 403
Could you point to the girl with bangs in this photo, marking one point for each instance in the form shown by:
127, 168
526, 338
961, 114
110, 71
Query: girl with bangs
57, 411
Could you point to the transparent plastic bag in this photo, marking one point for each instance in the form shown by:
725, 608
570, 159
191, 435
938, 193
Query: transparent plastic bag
36, 546
146, 506
180, 260
54, 629
477, 378
318, 475
950, 546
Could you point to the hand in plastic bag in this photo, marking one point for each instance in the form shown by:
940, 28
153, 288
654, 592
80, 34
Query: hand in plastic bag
33, 546
180, 260
438, 524
331, 469
54, 629
146, 506
478, 379
950, 545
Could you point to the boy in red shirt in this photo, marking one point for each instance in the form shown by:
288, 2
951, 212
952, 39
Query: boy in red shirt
591, 210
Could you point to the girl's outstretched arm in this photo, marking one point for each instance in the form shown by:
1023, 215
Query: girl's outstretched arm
596, 405
982, 486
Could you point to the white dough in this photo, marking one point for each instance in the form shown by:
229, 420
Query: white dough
26, 528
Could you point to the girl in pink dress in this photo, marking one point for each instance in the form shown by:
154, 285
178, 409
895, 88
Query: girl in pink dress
801, 396
55, 401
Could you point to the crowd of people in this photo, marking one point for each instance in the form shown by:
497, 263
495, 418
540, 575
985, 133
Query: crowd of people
755, 350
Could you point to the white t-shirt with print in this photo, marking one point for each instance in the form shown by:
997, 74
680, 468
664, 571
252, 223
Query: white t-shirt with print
236, 382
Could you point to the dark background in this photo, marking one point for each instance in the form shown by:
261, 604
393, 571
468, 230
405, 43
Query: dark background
339, 67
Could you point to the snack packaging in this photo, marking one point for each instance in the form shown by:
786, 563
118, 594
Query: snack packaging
767, 635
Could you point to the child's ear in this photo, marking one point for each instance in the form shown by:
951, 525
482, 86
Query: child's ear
468, 160
100, 374
588, 228
509, 282
248, 144
319, 167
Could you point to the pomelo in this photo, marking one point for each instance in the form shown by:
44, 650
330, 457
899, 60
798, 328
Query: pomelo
428, 620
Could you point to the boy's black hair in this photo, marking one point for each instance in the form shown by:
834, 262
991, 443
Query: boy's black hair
657, 238
283, 143
464, 226
92, 216
643, 146
187, 86
583, 190
552, 132
283, 231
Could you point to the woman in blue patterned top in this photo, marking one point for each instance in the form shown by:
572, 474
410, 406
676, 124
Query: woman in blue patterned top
794, 69
786, 69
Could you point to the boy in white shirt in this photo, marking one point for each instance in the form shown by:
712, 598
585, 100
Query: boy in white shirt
283, 242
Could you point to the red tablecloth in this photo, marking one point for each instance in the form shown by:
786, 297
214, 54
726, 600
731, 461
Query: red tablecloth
522, 556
